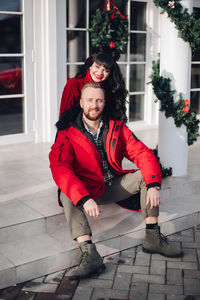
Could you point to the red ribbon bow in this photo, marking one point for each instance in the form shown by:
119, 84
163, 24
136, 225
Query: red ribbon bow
108, 6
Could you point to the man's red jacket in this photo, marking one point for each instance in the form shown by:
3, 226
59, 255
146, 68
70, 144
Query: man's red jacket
76, 165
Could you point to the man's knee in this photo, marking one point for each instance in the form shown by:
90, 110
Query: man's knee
140, 178
154, 212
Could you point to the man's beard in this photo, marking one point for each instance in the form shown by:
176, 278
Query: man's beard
91, 118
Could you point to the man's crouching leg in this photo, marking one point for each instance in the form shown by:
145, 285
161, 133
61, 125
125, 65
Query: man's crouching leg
91, 262
155, 241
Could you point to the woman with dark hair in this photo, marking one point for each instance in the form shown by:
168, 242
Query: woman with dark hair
102, 68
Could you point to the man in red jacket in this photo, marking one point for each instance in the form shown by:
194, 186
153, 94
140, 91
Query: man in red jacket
86, 164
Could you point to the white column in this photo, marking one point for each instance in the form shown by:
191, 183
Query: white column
45, 42
153, 46
175, 63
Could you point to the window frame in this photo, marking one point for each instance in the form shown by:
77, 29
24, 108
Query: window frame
27, 55
196, 4
127, 63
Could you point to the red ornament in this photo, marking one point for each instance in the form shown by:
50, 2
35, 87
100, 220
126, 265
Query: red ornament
171, 4
187, 102
186, 109
122, 16
112, 44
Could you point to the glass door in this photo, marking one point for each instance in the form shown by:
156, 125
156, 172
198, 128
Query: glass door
195, 75
132, 63
15, 68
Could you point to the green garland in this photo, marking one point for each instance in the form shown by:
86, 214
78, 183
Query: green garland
110, 31
164, 171
177, 110
187, 24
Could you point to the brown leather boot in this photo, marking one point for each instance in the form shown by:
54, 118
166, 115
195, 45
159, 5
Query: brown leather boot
156, 242
91, 263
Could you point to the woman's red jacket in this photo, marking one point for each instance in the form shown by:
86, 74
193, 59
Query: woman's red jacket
76, 165
72, 91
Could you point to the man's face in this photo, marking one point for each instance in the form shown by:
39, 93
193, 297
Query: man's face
92, 102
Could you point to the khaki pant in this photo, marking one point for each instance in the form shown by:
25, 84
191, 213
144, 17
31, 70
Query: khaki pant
122, 188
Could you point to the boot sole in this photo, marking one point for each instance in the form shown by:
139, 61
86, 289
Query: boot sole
94, 272
166, 255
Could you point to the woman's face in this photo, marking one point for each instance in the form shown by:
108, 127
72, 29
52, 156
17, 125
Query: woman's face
98, 72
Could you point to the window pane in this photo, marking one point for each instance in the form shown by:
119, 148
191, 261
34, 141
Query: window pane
136, 108
76, 46
11, 116
76, 13
196, 55
195, 101
10, 5
72, 70
138, 47
94, 5
123, 57
138, 16
195, 79
10, 34
10, 75
123, 71
137, 78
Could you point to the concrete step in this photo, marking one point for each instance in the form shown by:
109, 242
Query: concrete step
34, 257
47, 252
38, 213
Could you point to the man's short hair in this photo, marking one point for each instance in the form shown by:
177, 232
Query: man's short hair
93, 85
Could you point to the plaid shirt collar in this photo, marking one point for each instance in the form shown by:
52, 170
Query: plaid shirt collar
95, 135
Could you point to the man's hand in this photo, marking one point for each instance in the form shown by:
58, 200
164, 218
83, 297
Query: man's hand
91, 208
153, 197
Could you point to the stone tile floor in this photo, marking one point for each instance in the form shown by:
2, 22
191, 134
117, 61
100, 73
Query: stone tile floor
129, 275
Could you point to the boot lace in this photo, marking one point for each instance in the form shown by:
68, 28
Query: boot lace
163, 239
84, 258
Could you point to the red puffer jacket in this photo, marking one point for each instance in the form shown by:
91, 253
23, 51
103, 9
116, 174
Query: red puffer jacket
76, 165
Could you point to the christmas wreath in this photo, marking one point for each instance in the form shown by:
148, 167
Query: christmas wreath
109, 27
187, 24
180, 109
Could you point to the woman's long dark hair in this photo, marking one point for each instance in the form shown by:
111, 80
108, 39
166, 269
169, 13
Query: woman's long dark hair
114, 85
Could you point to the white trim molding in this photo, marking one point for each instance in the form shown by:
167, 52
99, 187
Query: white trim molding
45, 46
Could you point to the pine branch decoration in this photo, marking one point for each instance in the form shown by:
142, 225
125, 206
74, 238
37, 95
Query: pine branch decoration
178, 110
